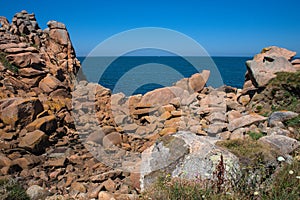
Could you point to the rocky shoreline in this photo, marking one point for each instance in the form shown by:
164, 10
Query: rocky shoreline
63, 138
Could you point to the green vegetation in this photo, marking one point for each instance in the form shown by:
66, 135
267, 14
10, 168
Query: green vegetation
7, 64
295, 124
286, 184
281, 93
255, 136
250, 152
11, 190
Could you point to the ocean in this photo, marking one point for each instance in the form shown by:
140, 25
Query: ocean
140, 74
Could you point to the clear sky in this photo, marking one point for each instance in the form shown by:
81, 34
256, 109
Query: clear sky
222, 27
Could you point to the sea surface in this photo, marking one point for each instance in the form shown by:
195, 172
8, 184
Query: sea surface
140, 74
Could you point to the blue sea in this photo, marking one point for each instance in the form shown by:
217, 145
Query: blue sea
140, 74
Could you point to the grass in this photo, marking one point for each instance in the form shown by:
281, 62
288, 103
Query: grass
11, 190
286, 184
255, 135
249, 151
7, 64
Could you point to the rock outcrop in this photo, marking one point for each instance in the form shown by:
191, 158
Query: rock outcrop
265, 65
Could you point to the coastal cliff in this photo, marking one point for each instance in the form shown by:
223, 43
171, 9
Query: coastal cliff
64, 139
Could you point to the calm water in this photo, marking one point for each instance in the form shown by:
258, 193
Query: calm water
134, 75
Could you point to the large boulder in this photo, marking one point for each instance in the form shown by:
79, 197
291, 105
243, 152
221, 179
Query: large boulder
26, 59
49, 83
281, 143
58, 32
276, 118
265, 65
35, 141
245, 120
195, 83
184, 155
20, 111
163, 96
46, 124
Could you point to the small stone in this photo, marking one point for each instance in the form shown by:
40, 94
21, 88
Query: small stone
36, 192
60, 162
94, 191
111, 139
281, 159
130, 128
166, 115
176, 113
244, 100
105, 196
109, 185
168, 131
79, 187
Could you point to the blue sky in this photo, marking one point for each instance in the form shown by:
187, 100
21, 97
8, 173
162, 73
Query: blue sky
221, 27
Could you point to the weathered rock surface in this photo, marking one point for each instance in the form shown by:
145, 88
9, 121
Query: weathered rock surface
35, 141
20, 111
162, 96
283, 144
195, 83
246, 120
276, 118
36, 192
183, 155
265, 65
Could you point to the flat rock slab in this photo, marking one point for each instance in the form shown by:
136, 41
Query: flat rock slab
246, 120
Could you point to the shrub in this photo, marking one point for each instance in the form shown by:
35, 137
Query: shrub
7, 64
255, 136
11, 190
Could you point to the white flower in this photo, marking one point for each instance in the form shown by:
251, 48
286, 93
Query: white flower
297, 177
291, 172
281, 159
256, 193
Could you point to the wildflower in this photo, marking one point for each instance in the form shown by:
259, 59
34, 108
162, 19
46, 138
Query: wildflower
281, 159
297, 177
256, 193
291, 172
